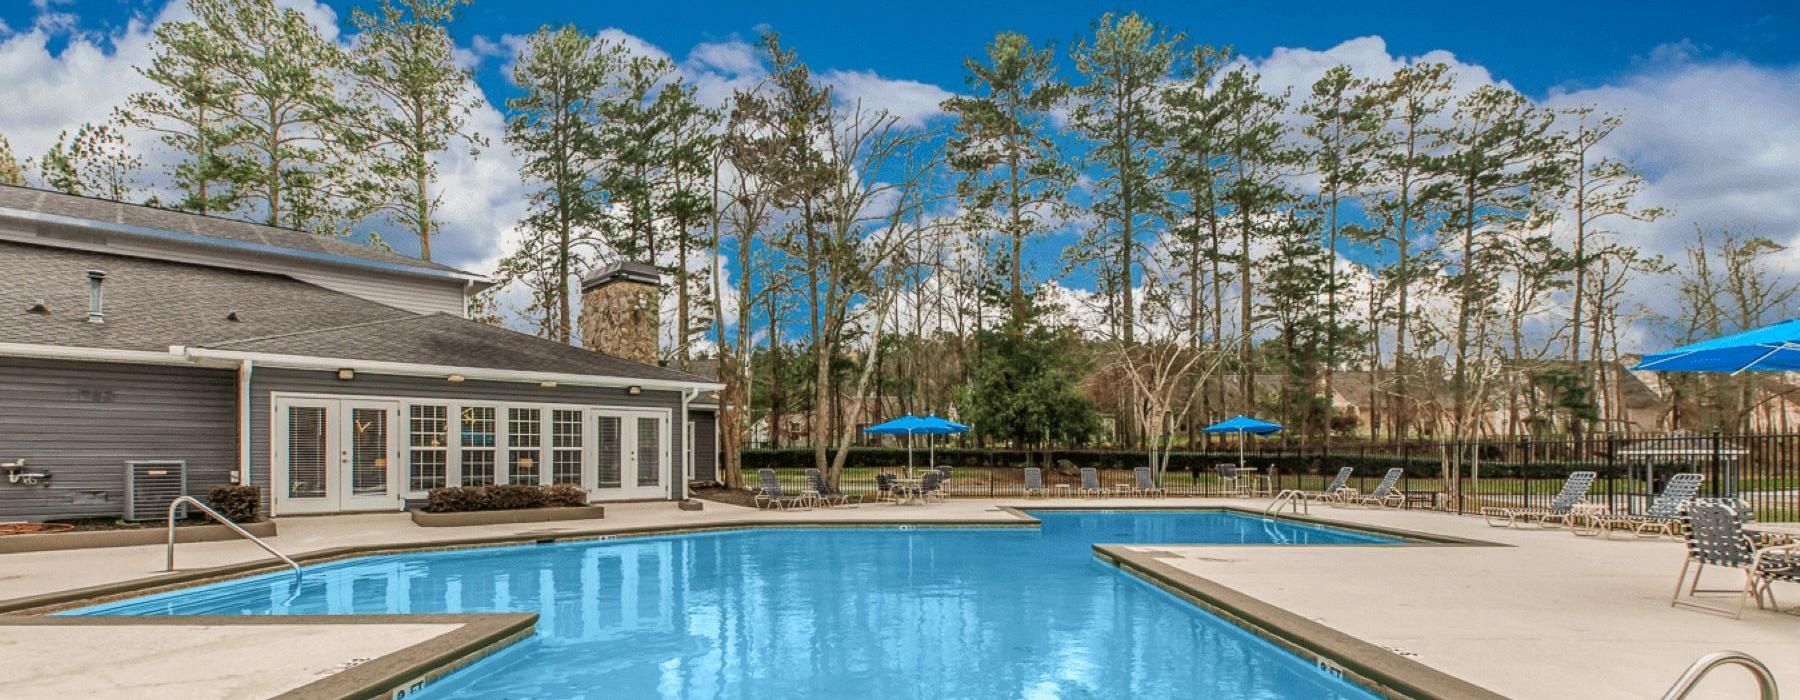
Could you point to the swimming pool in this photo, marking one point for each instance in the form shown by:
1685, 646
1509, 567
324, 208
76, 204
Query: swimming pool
822, 613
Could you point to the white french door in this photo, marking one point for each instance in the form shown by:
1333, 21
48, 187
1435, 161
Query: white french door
334, 455
631, 450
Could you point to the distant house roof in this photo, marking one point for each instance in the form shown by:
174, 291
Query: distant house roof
154, 304
52, 210
441, 339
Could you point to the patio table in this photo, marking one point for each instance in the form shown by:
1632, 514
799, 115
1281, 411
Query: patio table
908, 490
1252, 482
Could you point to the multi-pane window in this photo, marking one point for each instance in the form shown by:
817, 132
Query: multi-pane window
428, 433
477, 442
565, 447
524, 440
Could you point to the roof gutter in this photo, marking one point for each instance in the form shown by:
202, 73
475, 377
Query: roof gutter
69, 352
246, 246
266, 360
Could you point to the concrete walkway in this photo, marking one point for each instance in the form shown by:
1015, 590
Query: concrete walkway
1551, 616
189, 661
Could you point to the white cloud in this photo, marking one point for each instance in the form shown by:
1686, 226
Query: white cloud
911, 102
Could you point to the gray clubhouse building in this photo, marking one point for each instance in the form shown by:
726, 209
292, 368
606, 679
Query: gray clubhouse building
146, 353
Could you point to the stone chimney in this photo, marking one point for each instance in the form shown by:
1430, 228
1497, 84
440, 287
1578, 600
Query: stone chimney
619, 311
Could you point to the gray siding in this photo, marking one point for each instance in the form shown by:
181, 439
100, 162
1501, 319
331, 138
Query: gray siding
81, 421
706, 446
264, 382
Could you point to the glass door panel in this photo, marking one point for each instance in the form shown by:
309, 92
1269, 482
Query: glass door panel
308, 449
649, 452
609, 445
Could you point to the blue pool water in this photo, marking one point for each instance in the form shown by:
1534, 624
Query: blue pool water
822, 613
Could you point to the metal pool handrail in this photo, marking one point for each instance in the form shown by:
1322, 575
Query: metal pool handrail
216, 515
1765, 679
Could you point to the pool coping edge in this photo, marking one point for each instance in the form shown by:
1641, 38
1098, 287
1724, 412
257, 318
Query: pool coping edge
1331, 650
395, 674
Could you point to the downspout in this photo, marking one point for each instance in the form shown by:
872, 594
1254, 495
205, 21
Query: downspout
245, 368
687, 395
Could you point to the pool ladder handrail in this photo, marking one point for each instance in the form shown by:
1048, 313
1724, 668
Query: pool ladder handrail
227, 522
1765, 679
1294, 498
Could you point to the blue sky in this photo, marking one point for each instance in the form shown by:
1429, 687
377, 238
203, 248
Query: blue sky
1535, 45
1710, 90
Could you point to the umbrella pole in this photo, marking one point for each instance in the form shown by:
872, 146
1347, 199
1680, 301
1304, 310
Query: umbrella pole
909, 454
1240, 449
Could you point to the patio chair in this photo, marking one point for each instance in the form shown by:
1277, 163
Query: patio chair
1663, 517
1228, 479
884, 488
827, 495
1717, 538
945, 484
1386, 493
1145, 485
1336, 491
1034, 483
1090, 482
931, 484
770, 495
1561, 510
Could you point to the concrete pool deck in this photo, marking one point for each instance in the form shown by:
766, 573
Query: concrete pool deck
1550, 615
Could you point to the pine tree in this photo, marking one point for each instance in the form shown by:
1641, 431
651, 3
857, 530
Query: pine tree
1193, 115
632, 143
188, 112
685, 201
416, 104
1402, 198
285, 110
12, 172
559, 73
1014, 178
1252, 141
1499, 156
95, 162
1125, 63
1341, 123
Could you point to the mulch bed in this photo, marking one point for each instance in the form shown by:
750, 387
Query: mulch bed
720, 494
91, 524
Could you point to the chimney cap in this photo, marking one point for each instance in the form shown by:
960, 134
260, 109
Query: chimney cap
627, 271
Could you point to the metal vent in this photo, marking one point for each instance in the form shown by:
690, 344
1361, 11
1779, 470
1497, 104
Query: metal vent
151, 486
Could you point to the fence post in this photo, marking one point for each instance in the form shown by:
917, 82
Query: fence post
1719, 474
1611, 504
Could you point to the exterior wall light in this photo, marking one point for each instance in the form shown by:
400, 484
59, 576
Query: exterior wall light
454, 378
346, 374
546, 384
634, 390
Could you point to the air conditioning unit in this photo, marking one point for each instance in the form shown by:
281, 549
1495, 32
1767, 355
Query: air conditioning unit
151, 486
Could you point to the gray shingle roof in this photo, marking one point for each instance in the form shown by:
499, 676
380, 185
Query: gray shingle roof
269, 239
441, 339
153, 304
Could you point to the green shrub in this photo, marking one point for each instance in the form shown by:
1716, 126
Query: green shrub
463, 499
242, 504
564, 496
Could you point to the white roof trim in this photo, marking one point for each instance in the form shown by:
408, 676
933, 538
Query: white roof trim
419, 370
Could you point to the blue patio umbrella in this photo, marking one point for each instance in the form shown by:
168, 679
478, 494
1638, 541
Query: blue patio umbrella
1242, 424
910, 425
1773, 348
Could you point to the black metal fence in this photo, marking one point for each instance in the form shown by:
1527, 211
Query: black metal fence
1763, 469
